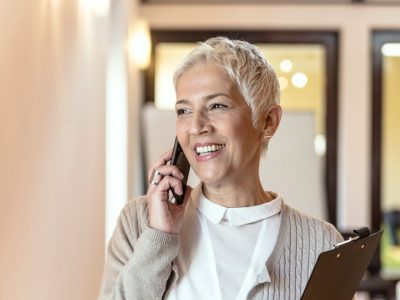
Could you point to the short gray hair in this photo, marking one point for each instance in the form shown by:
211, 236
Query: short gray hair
245, 65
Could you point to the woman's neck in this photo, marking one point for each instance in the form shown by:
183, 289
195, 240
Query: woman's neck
239, 194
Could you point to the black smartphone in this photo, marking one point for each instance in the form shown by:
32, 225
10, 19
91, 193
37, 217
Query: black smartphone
179, 159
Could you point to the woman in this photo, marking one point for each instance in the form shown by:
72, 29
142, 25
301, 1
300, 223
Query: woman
230, 239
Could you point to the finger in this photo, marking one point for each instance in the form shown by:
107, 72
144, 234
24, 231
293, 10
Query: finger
179, 209
151, 173
166, 156
169, 182
170, 170
155, 178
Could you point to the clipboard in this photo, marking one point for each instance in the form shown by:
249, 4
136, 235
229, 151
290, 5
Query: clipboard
338, 272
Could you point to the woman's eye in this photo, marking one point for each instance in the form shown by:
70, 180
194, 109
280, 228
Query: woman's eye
182, 111
217, 106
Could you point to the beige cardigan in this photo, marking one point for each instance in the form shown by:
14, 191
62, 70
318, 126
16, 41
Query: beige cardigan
139, 262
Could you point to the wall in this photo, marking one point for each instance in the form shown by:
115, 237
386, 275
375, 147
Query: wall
354, 23
52, 94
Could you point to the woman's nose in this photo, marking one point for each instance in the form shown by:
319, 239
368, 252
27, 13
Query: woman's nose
200, 123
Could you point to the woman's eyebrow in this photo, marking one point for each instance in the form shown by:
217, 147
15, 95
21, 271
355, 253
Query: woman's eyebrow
206, 98
212, 96
182, 101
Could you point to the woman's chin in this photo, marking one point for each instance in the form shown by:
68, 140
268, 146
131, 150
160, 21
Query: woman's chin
211, 175
210, 179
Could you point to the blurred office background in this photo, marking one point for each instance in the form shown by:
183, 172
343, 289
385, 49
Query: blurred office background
79, 90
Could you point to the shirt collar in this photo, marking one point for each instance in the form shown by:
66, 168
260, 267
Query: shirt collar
239, 215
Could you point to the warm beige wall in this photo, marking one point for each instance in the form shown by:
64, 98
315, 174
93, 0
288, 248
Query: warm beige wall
52, 93
354, 22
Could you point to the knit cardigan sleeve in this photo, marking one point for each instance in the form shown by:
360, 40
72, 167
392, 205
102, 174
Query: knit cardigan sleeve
139, 258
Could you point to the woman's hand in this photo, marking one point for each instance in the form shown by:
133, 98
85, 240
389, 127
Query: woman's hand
163, 215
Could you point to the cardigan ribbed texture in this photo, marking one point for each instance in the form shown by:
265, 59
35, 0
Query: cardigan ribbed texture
139, 261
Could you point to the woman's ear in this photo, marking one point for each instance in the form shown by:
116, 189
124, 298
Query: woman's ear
272, 120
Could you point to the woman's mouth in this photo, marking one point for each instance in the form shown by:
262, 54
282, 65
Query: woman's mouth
208, 149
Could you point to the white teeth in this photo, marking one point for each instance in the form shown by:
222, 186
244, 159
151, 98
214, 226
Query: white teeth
209, 148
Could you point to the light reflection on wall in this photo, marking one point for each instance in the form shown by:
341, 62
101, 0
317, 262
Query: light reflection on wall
139, 44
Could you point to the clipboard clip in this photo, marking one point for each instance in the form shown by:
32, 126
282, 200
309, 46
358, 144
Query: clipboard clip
360, 233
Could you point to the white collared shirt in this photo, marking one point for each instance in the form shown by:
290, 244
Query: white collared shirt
223, 251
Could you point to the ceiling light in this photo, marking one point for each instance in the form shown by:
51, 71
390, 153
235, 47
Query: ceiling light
286, 65
299, 80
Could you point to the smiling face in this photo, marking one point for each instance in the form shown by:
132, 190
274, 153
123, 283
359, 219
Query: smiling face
214, 127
